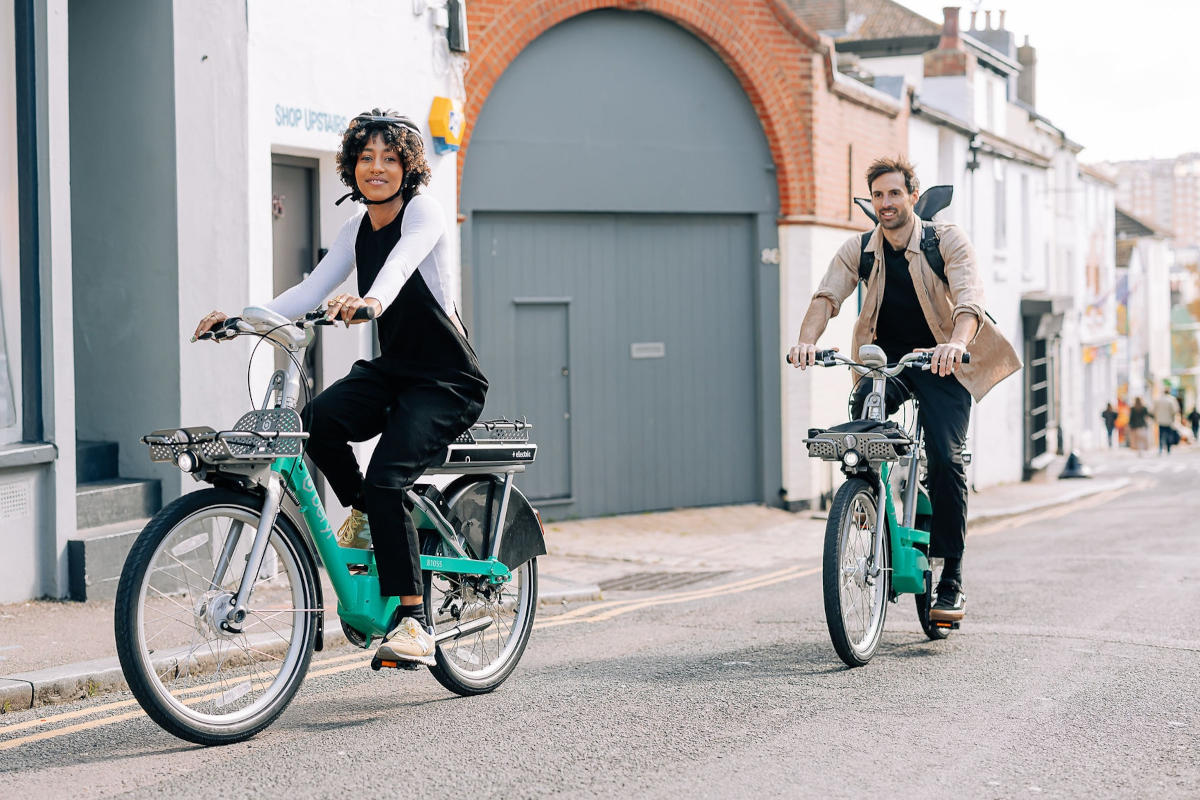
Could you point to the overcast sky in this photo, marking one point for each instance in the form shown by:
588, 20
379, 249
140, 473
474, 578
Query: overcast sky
1119, 76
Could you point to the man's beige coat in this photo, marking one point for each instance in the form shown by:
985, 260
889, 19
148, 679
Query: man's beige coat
992, 357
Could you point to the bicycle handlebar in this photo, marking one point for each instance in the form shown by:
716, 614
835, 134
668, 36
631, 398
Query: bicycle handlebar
831, 358
231, 327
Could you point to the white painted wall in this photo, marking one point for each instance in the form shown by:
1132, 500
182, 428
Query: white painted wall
816, 397
58, 352
213, 229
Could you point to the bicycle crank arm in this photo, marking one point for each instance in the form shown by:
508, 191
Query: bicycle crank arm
466, 629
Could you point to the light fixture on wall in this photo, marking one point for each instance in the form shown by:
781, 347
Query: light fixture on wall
973, 158
457, 32
449, 16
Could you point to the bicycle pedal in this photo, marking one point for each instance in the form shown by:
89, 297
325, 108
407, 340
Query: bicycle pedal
377, 664
947, 626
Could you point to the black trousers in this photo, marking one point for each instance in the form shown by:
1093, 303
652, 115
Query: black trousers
945, 411
415, 417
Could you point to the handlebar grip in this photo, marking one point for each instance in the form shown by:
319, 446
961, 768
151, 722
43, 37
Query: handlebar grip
820, 357
365, 312
221, 330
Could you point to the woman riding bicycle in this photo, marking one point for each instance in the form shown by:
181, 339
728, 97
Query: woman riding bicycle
423, 390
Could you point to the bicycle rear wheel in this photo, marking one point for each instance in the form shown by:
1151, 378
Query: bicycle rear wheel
197, 680
498, 617
855, 600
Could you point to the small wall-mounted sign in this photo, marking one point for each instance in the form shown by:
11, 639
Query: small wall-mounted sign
648, 350
770, 255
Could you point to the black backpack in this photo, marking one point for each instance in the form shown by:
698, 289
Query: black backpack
934, 200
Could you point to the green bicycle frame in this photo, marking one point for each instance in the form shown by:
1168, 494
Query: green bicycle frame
359, 603
909, 563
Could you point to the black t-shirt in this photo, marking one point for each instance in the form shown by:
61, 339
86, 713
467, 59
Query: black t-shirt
901, 327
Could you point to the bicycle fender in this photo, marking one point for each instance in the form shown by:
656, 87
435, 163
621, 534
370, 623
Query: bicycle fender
475, 501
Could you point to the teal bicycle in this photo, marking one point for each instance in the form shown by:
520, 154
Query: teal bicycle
871, 558
220, 604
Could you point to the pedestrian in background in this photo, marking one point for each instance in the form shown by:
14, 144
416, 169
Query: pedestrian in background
1139, 417
1166, 412
1194, 419
1109, 415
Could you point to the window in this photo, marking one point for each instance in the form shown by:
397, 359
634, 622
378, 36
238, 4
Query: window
10, 250
1001, 203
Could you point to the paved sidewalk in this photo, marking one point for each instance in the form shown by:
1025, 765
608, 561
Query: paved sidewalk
54, 651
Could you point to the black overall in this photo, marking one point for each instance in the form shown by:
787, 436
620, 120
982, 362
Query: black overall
424, 390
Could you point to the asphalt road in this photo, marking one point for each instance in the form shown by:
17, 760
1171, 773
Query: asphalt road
1075, 675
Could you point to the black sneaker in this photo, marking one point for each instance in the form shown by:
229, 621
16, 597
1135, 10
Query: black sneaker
951, 603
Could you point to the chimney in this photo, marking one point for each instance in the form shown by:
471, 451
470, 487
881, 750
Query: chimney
1002, 13
951, 58
974, 14
987, 15
1026, 82
950, 39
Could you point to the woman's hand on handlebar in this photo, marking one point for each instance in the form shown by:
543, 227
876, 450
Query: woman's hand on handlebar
803, 355
345, 306
208, 322
945, 357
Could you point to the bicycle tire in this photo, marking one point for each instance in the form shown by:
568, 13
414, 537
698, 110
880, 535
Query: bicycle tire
469, 673
924, 604
168, 705
854, 506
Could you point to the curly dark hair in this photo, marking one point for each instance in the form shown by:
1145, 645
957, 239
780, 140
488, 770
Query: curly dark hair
407, 142
882, 166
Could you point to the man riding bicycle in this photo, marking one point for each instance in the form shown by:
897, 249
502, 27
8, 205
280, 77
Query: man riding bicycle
906, 307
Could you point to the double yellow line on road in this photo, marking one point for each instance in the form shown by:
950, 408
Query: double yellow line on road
596, 612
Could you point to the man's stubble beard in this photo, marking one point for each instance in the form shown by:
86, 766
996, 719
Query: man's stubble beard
902, 218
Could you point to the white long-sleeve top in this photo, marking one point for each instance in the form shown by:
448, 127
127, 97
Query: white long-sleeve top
423, 247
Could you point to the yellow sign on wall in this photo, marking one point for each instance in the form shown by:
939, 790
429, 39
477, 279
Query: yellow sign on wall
446, 122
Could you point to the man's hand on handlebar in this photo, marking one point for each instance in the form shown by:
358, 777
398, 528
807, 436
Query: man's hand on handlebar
346, 308
208, 322
803, 355
945, 357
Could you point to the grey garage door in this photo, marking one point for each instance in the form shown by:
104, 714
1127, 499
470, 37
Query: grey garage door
629, 341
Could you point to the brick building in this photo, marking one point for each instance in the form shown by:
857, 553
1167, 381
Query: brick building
650, 192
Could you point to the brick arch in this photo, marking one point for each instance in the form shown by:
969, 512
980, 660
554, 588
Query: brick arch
768, 49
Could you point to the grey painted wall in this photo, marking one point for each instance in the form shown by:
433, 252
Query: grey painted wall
618, 111
626, 112
123, 222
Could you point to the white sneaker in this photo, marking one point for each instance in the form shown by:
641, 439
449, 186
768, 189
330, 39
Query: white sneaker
355, 531
408, 641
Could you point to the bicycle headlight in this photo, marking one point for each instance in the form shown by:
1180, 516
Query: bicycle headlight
187, 461
849, 441
851, 458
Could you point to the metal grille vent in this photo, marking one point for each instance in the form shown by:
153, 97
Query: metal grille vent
14, 500
822, 449
645, 581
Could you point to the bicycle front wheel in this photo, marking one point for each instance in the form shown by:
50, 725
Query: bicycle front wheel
856, 589
195, 676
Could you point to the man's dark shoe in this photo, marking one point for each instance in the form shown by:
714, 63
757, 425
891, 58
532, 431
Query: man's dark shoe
951, 603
